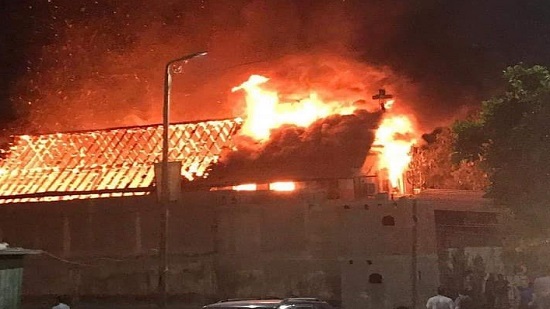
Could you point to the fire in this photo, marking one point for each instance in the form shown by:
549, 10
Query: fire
265, 110
274, 186
395, 135
106, 163
245, 187
282, 186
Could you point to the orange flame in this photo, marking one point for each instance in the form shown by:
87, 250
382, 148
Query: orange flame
245, 187
395, 135
389, 104
265, 110
282, 186
274, 186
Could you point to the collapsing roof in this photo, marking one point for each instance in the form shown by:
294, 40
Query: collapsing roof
106, 163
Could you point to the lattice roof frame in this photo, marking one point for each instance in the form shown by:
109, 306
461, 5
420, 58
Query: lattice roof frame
106, 163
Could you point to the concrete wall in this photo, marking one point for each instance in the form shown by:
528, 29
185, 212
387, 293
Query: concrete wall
228, 244
11, 275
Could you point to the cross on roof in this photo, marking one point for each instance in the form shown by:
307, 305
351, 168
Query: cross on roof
382, 97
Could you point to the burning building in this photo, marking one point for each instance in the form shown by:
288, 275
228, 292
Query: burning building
306, 198
107, 163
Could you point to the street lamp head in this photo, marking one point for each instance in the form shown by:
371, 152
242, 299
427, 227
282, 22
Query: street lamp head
195, 55
186, 58
191, 56
183, 59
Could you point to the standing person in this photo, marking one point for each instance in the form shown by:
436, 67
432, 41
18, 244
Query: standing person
526, 296
490, 292
464, 301
501, 292
61, 304
440, 301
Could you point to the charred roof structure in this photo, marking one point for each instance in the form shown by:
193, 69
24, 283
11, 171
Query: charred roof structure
106, 163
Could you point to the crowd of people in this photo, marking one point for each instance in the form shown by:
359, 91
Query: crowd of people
495, 294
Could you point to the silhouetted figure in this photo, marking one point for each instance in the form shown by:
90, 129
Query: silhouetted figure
501, 292
526, 296
490, 292
464, 301
61, 304
440, 301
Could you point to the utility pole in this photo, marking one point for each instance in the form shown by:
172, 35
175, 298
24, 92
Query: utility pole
164, 185
414, 258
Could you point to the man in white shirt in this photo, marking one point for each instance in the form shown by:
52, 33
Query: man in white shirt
61, 304
440, 301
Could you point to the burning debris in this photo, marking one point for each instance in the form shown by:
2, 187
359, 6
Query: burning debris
287, 139
106, 163
329, 147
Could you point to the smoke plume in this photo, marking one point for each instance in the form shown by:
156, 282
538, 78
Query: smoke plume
330, 147
102, 61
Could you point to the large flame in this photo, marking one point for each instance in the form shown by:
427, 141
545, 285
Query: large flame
396, 136
266, 110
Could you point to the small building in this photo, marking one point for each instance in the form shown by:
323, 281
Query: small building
11, 276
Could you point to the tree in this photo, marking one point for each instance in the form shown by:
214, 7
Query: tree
434, 164
512, 133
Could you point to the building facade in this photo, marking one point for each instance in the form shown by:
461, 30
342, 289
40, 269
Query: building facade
347, 240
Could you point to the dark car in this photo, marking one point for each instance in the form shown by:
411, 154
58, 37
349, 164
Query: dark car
287, 303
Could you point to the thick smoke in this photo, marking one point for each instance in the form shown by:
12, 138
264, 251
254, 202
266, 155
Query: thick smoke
332, 78
102, 62
331, 147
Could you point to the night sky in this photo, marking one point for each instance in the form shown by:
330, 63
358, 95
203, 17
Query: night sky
70, 64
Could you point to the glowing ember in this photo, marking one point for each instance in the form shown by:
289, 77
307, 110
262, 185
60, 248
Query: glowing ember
282, 186
395, 134
265, 110
245, 187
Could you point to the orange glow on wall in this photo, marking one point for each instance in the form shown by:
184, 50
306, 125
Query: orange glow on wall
246, 187
282, 186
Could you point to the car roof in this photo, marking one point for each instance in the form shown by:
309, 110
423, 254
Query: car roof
261, 303
249, 303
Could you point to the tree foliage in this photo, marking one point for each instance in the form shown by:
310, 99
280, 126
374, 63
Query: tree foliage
512, 133
434, 165
509, 140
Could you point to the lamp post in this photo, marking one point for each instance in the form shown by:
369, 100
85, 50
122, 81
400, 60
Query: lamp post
164, 189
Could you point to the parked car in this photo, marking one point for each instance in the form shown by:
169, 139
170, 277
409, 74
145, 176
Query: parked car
273, 303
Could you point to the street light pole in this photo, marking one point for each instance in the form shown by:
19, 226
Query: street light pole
164, 188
